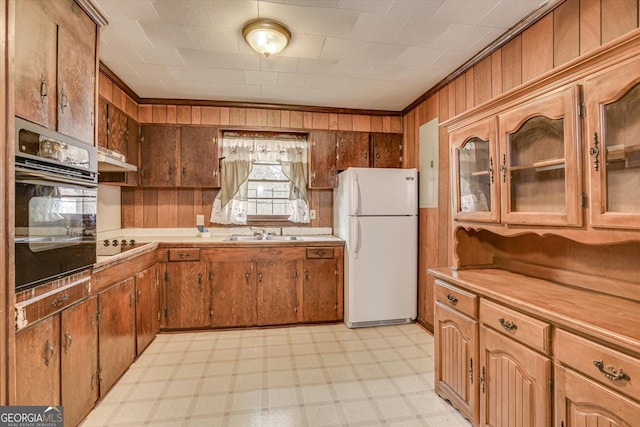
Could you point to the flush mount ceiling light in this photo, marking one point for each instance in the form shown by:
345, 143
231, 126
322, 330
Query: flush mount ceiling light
266, 36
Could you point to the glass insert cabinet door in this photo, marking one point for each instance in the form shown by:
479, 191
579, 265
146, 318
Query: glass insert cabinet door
539, 161
613, 147
475, 194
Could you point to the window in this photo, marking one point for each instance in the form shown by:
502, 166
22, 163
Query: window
268, 192
263, 177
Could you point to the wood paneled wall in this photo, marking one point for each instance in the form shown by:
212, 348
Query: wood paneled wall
574, 28
178, 207
6, 214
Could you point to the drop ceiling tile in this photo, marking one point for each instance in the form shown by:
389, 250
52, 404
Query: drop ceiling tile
182, 12
293, 17
331, 22
465, 11
214, 39
119, 53
304, 46
232, 14
241, 61
377, 53
125, 72
485, 40
420, 9
129, 10
312, 3
451, 60
279, 63
308, 80
158, 55
418, 56
419, 32
334, 48
459, 37
124, 32
315, 66
377, 28
378, 6
261, 78
385, 72
508, 13
171, 35
351, 69
201, 58
152, 71
191, 74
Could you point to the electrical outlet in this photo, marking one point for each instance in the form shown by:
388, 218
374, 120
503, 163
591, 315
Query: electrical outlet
312, 214
199, 219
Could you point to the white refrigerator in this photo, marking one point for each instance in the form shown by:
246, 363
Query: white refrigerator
376, 214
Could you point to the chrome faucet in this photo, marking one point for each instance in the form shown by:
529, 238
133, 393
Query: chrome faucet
262, 232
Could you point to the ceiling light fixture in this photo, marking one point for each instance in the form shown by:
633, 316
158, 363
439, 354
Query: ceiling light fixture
266, 36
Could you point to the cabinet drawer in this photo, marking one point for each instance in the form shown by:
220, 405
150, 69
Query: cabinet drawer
185, 254
519, 326
617, 370
319, 252
461, 300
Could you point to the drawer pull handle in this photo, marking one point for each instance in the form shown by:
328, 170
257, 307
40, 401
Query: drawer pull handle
48, 352
183, 255
58, 302
507, 325
320, 253
610, 372
482, 380
68, 341
453, 300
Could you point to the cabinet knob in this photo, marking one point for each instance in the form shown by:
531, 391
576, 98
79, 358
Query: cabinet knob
199, 278
184, 171
48, 352
507, 325
453, 300
260, 277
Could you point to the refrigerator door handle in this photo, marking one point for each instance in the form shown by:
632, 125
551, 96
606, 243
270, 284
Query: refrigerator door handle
355, 196
355, 237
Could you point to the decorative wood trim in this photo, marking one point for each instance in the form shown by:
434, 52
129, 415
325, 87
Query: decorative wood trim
517, 29
118, 82
604, 285
617, 52
93, 11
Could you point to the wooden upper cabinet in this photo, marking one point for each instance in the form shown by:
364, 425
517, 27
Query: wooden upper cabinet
613, 147
322, 160
79, 342
76, 75
118, 130
103, 123
352, 150
38, 364
539, 161
475, 177
35, 64
159, 156
55, 65
198, 157
386, 150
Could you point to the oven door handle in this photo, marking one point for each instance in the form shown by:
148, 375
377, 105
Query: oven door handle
28, 176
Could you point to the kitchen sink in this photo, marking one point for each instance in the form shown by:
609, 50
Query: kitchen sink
261, 238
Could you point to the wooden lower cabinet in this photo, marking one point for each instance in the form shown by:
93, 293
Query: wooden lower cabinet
188, 295
79, 360
581, 402
233, 294
456, 375
147, 307
277, 295
116, 332
38, 364
514, 383
320, 290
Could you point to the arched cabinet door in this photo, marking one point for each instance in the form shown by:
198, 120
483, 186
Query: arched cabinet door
613, 147
475, 177
540, 161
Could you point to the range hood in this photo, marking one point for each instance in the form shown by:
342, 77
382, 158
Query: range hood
111, 161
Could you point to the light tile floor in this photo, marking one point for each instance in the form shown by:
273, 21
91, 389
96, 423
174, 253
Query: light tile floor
320, 375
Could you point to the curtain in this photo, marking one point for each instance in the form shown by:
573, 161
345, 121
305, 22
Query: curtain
239, 151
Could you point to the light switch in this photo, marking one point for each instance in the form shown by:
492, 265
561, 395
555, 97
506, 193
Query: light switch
312, 214
199, 219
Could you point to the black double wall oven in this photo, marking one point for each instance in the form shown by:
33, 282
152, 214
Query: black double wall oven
56, 184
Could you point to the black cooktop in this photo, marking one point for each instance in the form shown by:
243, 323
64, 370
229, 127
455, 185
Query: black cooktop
115, 246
